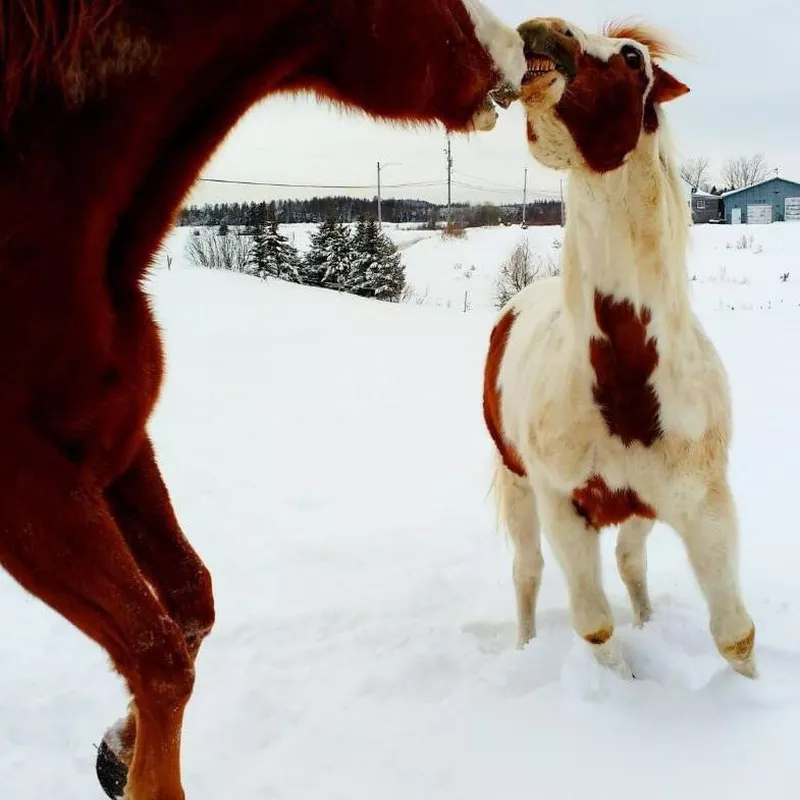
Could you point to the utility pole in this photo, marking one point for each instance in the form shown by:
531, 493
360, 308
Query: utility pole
380, 222
449, 178
524, 197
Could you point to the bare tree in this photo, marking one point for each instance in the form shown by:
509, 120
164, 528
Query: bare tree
744, 171
694, 171
521, 268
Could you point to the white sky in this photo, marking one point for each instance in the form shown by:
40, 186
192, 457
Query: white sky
745, 99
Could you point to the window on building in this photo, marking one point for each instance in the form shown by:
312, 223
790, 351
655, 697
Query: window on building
700, 205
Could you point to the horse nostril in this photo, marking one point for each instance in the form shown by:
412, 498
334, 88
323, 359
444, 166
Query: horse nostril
534, 36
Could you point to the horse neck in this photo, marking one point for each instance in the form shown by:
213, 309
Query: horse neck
626, 240
117, 164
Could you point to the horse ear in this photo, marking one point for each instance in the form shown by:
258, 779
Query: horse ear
666, 87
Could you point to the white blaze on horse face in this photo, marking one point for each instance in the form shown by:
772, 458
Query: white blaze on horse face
503, 44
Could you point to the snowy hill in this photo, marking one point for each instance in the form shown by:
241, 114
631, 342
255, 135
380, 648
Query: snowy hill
327, 456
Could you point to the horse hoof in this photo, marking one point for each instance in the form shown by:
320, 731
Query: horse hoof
111, 772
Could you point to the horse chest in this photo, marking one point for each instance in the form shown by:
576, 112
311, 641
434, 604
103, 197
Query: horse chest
98, 417
623, 358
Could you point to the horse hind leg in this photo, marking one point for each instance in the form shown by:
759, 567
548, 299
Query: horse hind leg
632, 566
517, 507
60, 542
141, 506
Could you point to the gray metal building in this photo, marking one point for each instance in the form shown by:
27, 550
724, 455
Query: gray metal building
773, 200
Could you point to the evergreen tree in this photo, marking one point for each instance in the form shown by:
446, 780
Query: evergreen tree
387, 277
338, 259
251, 220
377, 270
327, 262
364, 252
223, 229
273, 255
313, 266
259, 257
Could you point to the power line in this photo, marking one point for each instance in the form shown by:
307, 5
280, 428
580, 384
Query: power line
485, 180
320, 185
497, 189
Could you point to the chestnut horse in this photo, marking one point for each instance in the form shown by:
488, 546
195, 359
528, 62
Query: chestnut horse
108, 111
606, 401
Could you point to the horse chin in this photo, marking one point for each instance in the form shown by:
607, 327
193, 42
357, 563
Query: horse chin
485, 118
543, 90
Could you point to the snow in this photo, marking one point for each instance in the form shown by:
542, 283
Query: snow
327, 457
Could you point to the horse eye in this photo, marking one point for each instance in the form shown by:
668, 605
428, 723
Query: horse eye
633, 57
568, 33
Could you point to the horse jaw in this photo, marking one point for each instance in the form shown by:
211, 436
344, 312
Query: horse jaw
485, 119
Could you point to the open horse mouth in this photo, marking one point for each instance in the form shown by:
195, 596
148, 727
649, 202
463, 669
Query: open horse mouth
539, 66
547, 50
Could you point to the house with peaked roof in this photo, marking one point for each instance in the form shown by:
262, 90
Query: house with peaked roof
773, 200
704, 206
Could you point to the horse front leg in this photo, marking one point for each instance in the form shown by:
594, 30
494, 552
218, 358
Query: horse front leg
141, 506
577, 548
632, 565
711, 536
59, 540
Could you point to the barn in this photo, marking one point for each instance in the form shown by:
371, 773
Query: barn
773, 200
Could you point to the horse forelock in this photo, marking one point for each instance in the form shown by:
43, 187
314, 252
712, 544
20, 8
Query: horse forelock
656, 41
46, 41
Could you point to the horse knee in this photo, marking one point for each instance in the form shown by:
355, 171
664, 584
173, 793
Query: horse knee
161, 666
194, 607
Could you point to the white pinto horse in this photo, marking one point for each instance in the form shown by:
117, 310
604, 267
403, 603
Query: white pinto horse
606, 400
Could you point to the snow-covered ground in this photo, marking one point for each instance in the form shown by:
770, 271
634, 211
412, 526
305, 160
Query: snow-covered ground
327, 456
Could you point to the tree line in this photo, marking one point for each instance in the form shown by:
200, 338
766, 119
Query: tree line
349, 209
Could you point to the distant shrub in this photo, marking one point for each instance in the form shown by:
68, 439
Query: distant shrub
744, 242
454, 230
522, 268
208, 249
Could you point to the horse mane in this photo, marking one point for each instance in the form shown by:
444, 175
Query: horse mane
43, 41
656, 41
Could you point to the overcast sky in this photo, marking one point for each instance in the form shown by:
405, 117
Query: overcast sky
745, 99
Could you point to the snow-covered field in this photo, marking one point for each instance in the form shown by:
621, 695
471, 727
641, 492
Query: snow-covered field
328, 458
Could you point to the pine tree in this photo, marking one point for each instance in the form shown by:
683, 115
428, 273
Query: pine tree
258, 263
313, 266
377, 270
364, 252
251, 220
387, 278
337, 259
273, 255
327, 262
